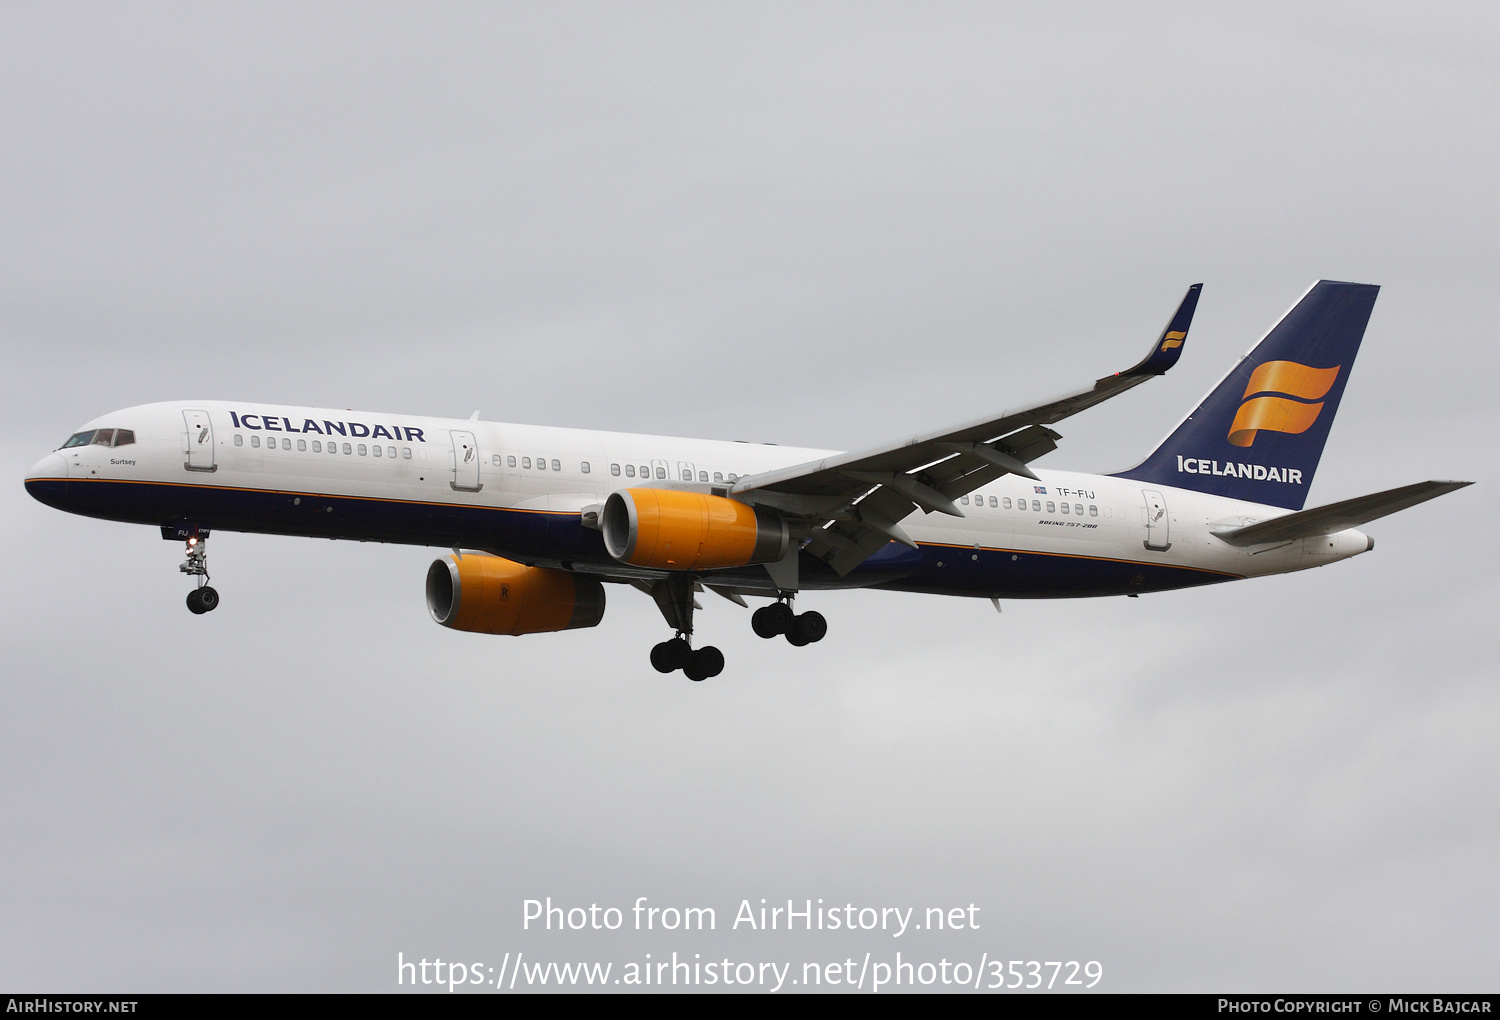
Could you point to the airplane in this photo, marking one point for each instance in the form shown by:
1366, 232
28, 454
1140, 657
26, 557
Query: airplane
539, 519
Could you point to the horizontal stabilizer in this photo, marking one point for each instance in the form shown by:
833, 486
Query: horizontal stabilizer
1350, 513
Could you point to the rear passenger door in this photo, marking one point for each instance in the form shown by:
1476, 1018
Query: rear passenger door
1158, 521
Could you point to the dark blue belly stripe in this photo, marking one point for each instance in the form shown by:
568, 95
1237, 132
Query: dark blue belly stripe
531, 535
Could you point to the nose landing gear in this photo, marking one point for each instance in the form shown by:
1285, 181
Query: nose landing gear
202, 599
778, 618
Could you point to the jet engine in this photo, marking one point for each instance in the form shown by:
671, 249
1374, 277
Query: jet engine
675, 530
493, 595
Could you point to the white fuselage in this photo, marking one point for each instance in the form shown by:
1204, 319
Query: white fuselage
518, 490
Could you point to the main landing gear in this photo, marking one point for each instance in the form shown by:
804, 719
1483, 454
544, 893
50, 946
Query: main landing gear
697, 664
674, 597
778, 618
202, 599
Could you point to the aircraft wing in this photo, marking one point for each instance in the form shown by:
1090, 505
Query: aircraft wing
849, 504
1349, 513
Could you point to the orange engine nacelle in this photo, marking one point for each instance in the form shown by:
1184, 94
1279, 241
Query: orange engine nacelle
674, 530
493, 595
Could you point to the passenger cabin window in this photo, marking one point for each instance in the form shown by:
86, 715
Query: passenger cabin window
239, 440
541, 463
614, 469
406, 453
362, 449
646, 472
348, 450
1093, 510
1078, 509
702, 476
964, 500
687, 476
255, 441
1065, 508
994, 503
718, 476
661, 474
629, 470
556, 464
376, 451
526, 462
495, 460
1051, 509
584, 467
301, 445
510, 461
390, 451
317, 446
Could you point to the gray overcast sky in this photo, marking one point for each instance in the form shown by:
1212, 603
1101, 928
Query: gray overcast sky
816, 224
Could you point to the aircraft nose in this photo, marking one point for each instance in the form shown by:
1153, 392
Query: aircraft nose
50, 467
48, 479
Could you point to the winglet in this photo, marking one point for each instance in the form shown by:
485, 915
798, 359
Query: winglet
1168, 347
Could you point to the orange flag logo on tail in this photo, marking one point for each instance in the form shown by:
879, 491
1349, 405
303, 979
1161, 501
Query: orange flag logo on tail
1280, 414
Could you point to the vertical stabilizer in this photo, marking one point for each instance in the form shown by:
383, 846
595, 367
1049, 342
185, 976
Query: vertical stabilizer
1259, 434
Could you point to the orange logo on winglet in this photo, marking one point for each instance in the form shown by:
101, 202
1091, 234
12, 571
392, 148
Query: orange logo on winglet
1172, 339
1278, 414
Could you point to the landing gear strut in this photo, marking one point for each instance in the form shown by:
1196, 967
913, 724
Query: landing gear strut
778, 618
674, 597
202, 599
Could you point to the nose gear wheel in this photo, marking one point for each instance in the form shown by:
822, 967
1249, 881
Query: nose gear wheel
202, 599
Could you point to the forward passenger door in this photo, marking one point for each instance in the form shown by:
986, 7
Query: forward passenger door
200, 441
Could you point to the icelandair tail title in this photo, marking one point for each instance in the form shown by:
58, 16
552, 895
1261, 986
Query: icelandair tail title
359, 430
1259, 472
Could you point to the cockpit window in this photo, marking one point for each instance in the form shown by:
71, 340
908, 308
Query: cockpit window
100, 437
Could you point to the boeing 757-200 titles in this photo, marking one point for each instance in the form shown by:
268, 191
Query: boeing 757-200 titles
538, 517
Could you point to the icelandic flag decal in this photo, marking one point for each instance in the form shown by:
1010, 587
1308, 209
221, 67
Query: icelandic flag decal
1039, 488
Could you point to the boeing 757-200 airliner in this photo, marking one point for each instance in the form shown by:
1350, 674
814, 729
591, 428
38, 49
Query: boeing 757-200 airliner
537, 517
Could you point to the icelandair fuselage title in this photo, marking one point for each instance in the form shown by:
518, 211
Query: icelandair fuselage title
1259, 472
359, 430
